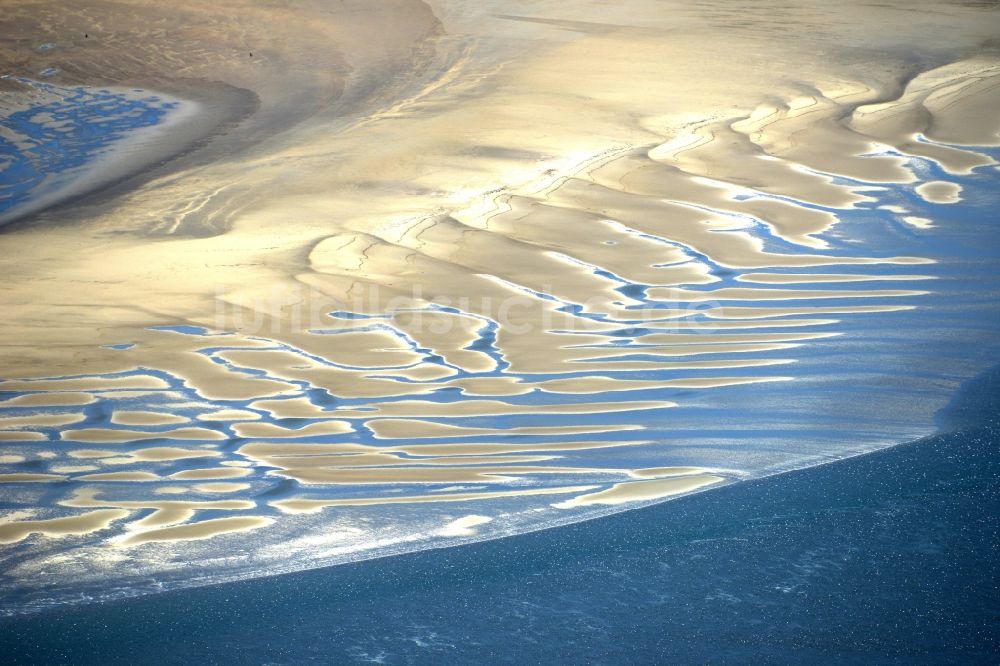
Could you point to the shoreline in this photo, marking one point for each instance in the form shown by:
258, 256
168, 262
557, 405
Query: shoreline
858, 507
407, 548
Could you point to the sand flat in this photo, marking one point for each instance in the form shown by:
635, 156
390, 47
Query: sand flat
85, 523
21, 436
116, 436
205, 529
157, 453
639, 491
400, 428
39, 420
118, 477
221, 487
49, 400
479, 449
815, 278
427, 474
86, 384
141, 418
940, 192
750, 294
210, 473
303, 505
425, 408
30, 477
269, 430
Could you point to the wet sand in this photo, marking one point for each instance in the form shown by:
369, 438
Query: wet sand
940, 191
83, 523
637, 491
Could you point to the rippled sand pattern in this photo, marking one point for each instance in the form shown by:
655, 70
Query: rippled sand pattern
460, 288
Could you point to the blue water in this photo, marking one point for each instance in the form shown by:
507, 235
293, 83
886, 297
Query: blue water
66, 132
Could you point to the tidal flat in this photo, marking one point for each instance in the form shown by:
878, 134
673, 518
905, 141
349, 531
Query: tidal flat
303, 284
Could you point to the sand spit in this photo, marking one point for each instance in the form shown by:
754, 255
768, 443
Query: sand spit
413, 428
84, 523
27, 477
141, 418
640, 491
48, 400
814, 278
209, 473
315, 505
117, 436
425, 409
205, 529
39, 421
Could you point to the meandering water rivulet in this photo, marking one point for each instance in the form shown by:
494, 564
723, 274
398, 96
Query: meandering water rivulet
427, 274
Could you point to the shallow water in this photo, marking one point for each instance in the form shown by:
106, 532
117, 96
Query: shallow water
44, 146
884, 558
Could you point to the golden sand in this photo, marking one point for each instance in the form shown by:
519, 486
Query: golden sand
423, 408
141, 418
84, 523
656, 472
753, 312
205, 529
39, 420
71, 469
21, 436
48, 400
27, 477
221, 487
397, 428
119, 477
86, 384
639, 491
813, 278
315, 505
748, 294
939, 191
87, 498
268, 430
170, 453
210, 473
115, 436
